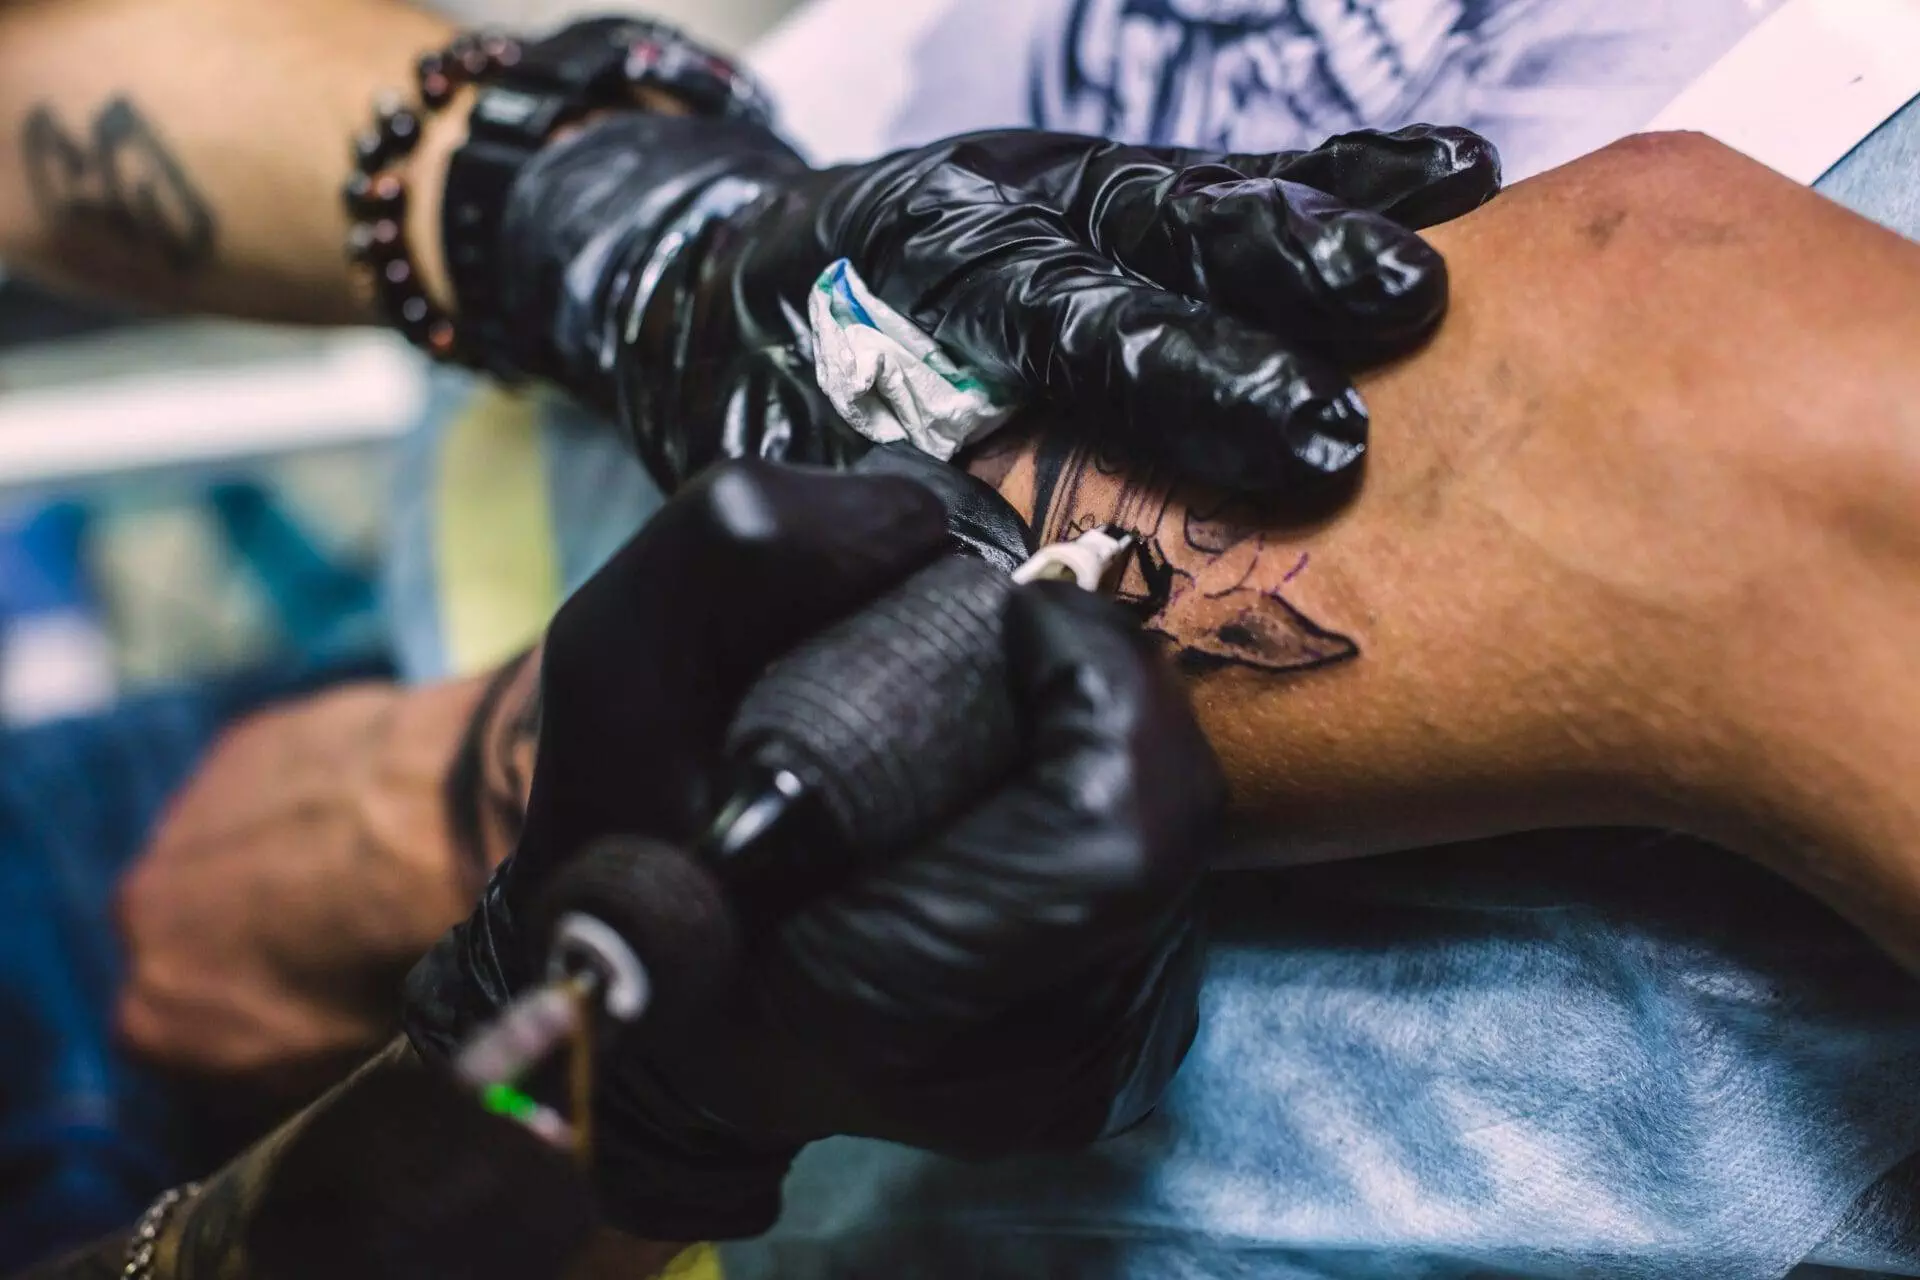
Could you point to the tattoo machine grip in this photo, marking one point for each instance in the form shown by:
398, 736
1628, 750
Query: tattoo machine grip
882, 728
889, 722
863, 738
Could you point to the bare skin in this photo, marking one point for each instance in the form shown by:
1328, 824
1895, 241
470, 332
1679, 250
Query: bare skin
188, 154
241, 961
1639, 542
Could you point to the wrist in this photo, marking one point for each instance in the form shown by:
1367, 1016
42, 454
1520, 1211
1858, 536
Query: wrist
426, 177
606, 241
524, 95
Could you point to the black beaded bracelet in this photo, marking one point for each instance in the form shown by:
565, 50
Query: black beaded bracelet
376, 193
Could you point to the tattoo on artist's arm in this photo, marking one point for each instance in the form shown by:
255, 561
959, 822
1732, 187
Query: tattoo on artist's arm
114, 178
1209, 574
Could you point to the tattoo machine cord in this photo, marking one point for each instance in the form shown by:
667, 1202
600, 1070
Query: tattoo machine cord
875, 731
400, 1177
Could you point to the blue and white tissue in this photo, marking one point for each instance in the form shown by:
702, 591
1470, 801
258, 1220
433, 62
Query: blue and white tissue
887, 377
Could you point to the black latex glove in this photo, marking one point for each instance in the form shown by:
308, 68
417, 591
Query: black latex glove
1200, 310
1024, 978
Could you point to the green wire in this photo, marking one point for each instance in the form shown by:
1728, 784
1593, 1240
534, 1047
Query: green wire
505, 1100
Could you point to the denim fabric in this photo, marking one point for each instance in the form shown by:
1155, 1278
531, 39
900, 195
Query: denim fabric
87, 1138
1880, 178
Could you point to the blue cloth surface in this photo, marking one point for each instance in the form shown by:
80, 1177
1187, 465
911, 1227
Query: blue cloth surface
1881, 177
1577, 1054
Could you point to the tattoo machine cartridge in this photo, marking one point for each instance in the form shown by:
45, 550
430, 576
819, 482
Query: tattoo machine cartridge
874, 732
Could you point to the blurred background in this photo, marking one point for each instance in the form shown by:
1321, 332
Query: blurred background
193, 519
185, 498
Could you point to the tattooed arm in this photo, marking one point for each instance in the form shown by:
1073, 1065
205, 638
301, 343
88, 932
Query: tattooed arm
188, 154
1639, 542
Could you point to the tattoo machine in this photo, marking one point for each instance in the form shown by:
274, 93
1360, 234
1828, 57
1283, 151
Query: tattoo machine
878, 730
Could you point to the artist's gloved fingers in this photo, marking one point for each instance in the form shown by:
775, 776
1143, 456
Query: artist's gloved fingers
1114, 739
1287, 257
1074, 867
1418, 176
1160, 376
1294, 262
979, 521
749, 559
643, 665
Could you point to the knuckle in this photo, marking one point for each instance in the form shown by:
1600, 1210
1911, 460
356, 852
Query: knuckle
139, 1024
1120, 866
1655, 169
132, 901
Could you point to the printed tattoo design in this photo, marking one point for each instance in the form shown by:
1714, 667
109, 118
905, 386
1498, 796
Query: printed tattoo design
212, 1240
118, 181
1199, 557
1271, 75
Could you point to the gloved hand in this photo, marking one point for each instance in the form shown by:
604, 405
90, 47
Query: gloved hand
1023, 978
1200, 310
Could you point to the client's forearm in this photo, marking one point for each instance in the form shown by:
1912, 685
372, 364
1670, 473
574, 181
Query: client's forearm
1639, 542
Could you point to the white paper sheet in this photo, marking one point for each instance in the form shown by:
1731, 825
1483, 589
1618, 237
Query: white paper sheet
1808, 84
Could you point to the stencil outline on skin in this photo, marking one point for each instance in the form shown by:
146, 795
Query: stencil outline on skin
1190, 584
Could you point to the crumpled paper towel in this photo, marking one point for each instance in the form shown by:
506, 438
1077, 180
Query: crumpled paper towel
887, 377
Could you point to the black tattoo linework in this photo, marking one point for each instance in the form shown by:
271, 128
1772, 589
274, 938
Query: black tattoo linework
513, 756
1184, 579
120, 181
487, 777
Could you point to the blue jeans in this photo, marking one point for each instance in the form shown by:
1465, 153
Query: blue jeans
87, 1138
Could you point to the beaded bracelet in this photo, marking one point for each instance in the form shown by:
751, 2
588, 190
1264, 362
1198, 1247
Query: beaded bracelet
376, 193
144, 1243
